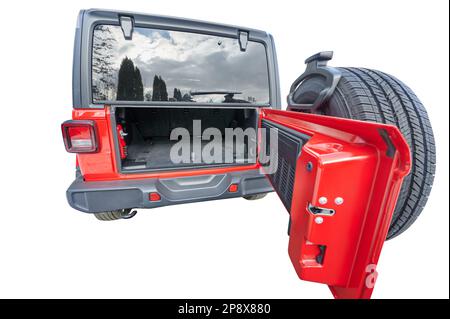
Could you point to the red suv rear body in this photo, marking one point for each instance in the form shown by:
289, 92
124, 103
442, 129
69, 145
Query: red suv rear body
357, 166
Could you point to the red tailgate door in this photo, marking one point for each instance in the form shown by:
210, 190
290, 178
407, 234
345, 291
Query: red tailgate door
339, 179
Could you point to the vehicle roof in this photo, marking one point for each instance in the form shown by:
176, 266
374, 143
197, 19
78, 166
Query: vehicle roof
171, 19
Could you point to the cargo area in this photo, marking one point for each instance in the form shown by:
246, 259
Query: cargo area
147, 132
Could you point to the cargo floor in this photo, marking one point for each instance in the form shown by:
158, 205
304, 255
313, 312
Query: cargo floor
155, 154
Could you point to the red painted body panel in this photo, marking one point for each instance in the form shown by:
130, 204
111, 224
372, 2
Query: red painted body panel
349, 161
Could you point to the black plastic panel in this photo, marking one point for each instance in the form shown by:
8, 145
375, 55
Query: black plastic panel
94, 197
290, 144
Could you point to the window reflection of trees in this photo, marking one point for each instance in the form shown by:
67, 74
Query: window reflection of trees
128, 77
103, 59
127, 82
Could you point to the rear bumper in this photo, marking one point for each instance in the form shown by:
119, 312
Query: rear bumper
93, 197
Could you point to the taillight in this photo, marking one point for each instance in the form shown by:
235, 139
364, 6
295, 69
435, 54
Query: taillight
233, 188
80, 136
154, 197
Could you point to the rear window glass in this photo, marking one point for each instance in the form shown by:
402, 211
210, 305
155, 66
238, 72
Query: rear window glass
173, 66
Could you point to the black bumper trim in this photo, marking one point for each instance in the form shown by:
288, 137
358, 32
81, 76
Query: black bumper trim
93, 197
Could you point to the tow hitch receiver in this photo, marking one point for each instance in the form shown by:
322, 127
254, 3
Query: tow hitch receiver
347, 180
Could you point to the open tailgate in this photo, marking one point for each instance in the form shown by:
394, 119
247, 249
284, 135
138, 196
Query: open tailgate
339, 179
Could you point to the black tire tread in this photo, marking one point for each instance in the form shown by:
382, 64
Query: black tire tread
112, 215
255, 196
376, 96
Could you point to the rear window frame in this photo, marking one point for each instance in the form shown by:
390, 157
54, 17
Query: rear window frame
88, 20
172, 103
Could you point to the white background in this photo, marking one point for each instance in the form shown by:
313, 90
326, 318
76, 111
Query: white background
230, 248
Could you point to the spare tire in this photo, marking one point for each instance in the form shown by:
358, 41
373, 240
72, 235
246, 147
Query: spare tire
370, 95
